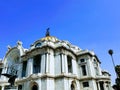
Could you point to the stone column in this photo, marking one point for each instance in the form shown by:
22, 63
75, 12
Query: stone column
98, 85
63, 63
91, 69
57, 64
65, 84
50, 85
66, 67
51, 63
74, 67
29, 66
104, 85
47, 62
93, 85
43, 66
3, 87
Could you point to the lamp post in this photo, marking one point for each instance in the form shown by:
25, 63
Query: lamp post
117, 86
111, 54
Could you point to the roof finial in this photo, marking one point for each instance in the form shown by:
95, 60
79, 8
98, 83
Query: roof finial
47, 32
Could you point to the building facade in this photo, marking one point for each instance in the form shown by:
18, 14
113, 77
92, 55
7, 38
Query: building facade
53, 64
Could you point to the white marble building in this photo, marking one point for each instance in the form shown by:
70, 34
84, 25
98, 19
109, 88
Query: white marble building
53, 64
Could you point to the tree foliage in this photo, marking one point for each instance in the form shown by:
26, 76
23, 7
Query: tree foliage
117, 69
117, 86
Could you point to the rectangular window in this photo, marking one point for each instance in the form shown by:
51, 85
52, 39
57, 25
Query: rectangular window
24, 68
0, 71
69, 61
96, 71
95, 63
37, 64
101, 85
85, 84
83, 67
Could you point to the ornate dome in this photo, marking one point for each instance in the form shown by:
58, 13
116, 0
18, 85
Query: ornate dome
54, 42
49, 38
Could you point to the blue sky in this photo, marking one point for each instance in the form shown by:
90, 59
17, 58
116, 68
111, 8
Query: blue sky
89, 24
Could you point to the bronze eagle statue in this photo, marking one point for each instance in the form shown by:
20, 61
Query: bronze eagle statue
11, 78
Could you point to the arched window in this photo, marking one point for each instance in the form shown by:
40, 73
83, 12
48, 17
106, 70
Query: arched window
38, 44
34, 87
19, 87
72, 87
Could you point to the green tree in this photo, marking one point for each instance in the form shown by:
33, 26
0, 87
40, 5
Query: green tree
117, 85
117, 69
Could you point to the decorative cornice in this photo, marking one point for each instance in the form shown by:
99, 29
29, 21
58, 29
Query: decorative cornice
40, 76
27, 54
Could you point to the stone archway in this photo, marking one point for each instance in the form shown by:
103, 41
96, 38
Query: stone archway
34, 87
73, 85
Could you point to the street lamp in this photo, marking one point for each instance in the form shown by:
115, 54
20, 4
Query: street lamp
111, 54
116, 68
